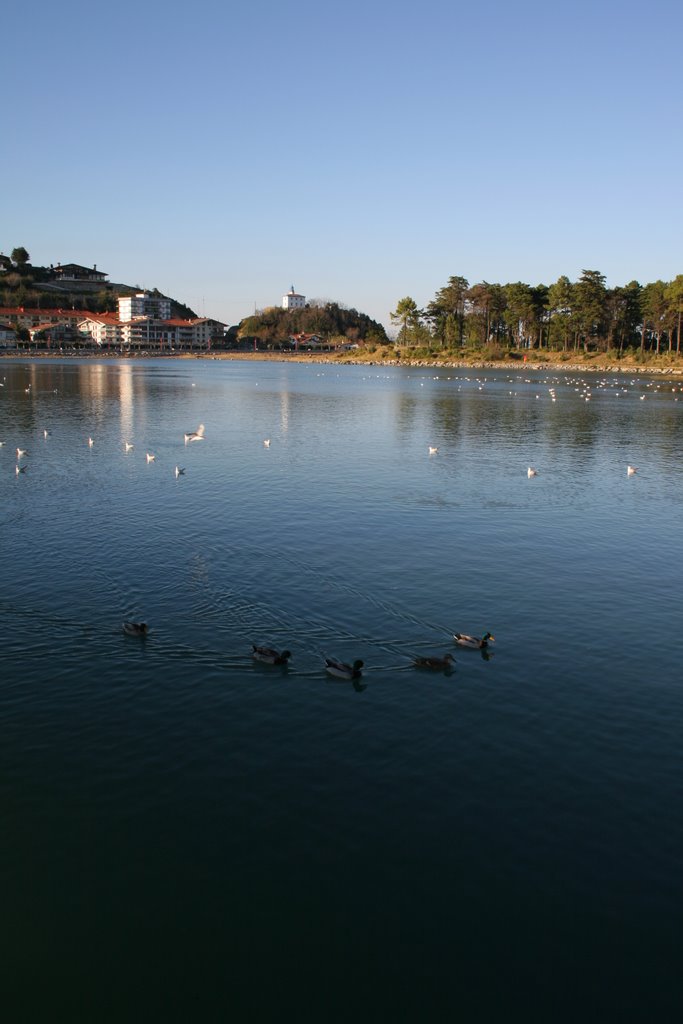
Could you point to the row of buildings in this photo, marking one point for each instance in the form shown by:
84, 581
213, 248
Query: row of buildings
143, 323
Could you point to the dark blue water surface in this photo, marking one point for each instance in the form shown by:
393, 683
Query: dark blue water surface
189, 835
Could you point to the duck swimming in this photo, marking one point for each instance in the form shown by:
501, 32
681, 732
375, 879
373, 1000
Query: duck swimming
269, 656
342, 670
434, 663
136, 628
465, 640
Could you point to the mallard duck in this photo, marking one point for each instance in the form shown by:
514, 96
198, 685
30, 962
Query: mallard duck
434, 663
342, 670
135, 628
473, 641
195, 435
269, 656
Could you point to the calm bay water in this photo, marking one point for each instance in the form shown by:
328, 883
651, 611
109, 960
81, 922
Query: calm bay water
189, 835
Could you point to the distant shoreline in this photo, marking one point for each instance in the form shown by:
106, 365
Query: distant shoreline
346, 359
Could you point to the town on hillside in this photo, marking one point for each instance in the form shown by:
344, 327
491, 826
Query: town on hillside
70, 307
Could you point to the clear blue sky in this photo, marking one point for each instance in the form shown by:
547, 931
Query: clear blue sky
361, 152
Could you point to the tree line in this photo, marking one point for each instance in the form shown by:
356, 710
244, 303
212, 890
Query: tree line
565, 316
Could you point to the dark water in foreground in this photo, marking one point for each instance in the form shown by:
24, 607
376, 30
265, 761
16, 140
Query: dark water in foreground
187, 835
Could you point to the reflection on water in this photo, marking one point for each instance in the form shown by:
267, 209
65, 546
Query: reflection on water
239, 819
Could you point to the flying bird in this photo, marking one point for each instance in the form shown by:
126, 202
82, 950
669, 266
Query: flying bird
195, 435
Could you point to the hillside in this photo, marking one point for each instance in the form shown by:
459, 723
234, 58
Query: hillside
39, 288
329, 321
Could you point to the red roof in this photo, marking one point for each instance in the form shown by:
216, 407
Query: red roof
22, 311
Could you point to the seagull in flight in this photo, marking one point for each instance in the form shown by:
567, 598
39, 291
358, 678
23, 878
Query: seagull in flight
195, 435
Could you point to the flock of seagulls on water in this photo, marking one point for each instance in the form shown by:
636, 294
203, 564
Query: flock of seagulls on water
128, 446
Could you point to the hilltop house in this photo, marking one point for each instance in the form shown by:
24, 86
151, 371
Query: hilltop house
292, 300
75, 272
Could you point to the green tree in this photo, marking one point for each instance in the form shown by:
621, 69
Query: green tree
447, 312
623, 315
654, 313
20, 256
673, 294
590, 295
408, 316
560, 305
520, 314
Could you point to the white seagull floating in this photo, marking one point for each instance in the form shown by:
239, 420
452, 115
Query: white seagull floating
90, 442
195, 435
128, 445
433, 451
21, 451
630, 470
266, 443
179, 471
150, 457
531, 471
